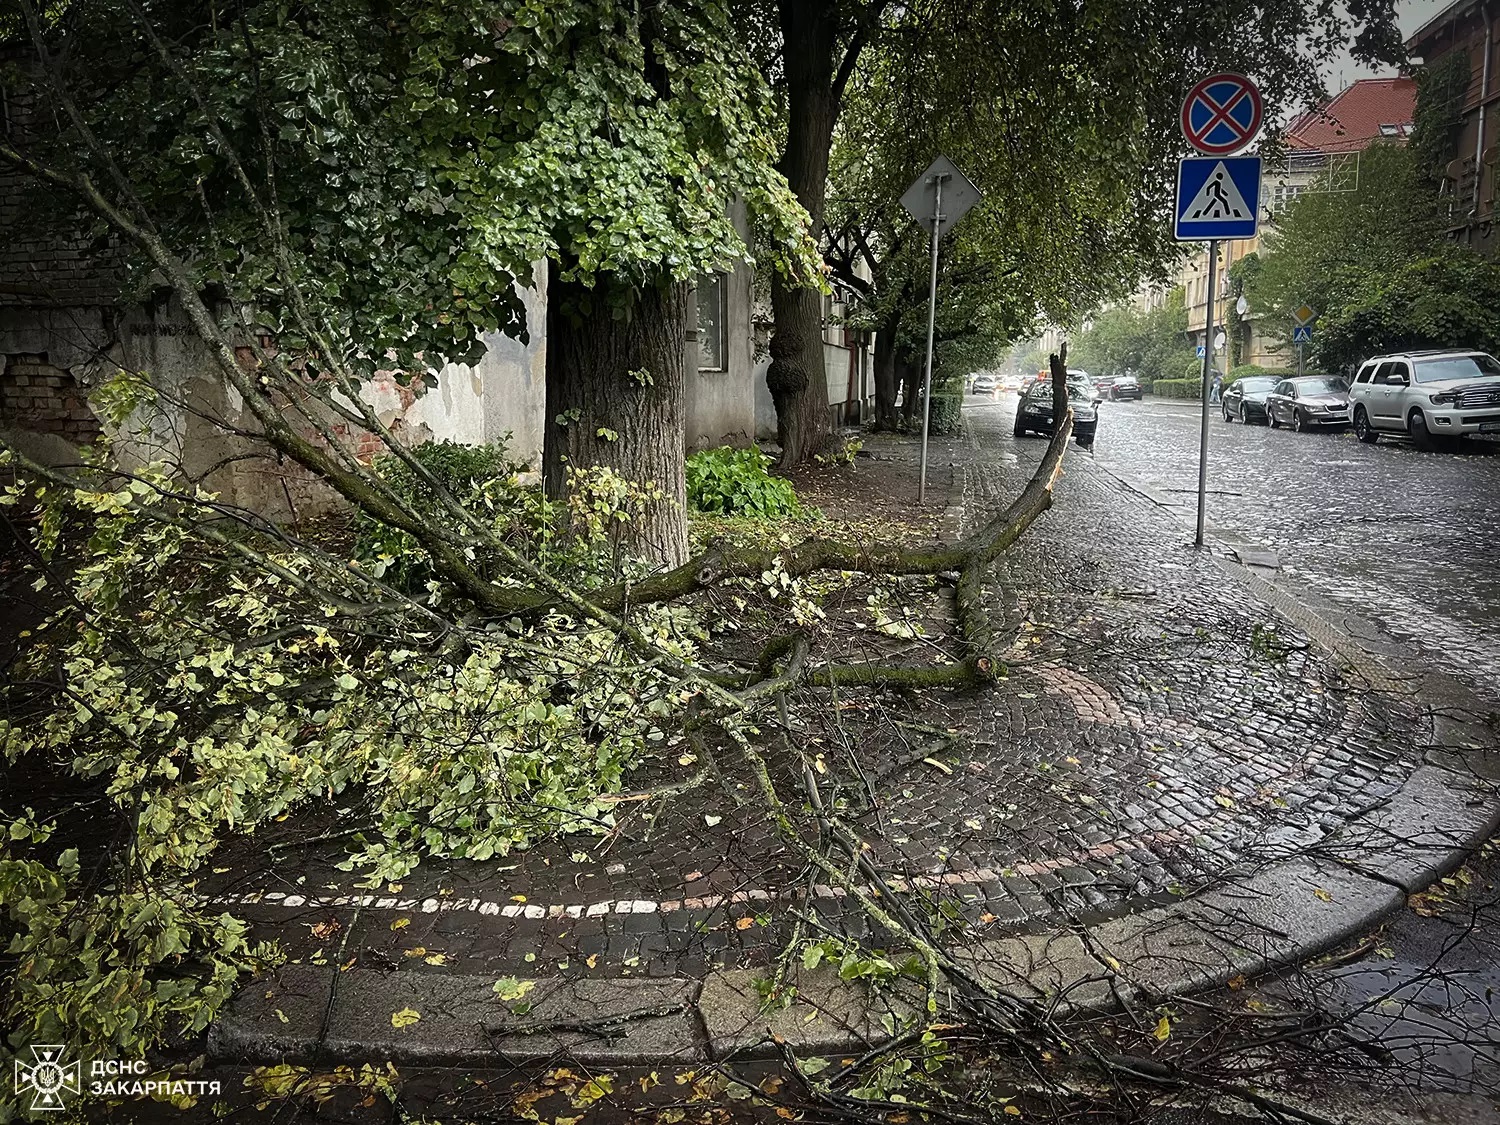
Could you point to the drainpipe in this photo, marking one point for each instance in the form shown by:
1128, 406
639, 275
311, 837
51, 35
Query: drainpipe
1484, 92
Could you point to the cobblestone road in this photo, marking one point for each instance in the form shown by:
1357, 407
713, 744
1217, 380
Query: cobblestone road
1157, 731
1410, 540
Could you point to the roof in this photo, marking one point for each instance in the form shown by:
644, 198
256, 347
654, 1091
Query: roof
1370, 110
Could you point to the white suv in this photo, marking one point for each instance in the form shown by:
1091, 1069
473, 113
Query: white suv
1427, 395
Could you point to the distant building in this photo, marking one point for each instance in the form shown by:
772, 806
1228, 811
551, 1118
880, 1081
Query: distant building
1468, 28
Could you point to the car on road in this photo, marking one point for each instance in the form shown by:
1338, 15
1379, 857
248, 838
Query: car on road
1034, 411
1123, 387
1245, 398
1427, 395
985, 385
1308, 401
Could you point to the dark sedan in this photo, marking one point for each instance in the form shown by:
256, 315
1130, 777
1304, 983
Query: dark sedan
1123, 387
1034, 411
1309, 401
1245, 398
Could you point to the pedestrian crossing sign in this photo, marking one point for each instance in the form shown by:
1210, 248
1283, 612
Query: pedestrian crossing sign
1217, 197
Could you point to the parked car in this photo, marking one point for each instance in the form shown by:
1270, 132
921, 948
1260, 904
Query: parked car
1123, 387
985, 385
1245, 398
1427, 395
1034, 411
1308, 401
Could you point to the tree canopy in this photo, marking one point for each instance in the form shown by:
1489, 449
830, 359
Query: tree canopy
1376, 265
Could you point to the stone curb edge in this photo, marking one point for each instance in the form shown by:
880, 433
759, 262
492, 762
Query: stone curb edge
1285, 913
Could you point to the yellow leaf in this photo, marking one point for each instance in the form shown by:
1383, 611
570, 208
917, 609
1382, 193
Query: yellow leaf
650, 1080
592, 960
405, 1017
436, 959
937, 765
1237, 982
1322, 894
568, 1120
594, 1089
1013, 1111
400, 923
517, 898
1163, 1029
419, 951
282, 1016
744, 923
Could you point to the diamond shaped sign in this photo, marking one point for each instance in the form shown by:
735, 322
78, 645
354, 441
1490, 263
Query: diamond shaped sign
959, 195
1304, 315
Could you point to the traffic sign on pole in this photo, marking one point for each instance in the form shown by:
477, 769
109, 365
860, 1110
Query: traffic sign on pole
1202, 350
959, 195
1304, 314
1302, 333
1222, 114
1217, 198
937, 199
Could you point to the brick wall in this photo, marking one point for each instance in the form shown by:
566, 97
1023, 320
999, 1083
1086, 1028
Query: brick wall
36, 396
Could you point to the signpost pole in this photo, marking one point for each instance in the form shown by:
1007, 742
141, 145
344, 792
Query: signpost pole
937, 226
1208, 367
1300, 346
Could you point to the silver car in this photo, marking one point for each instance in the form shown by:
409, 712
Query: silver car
1427, 395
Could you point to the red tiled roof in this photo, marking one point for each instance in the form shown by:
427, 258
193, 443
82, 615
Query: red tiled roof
1353, 118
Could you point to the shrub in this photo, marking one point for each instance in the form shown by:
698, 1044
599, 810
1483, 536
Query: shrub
734, 482
1177, 388
947, 412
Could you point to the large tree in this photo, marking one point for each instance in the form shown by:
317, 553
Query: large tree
1077, 92
372, 184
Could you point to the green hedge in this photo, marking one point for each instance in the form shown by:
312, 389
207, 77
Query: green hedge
1178, 388
947, 412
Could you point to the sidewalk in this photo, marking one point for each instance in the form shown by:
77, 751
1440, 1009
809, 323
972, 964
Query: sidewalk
1175, 784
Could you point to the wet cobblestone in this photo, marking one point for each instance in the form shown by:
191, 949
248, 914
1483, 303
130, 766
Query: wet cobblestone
1158, 729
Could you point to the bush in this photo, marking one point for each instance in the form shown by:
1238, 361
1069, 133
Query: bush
947, 412
734, 482
478, 476
1178, 388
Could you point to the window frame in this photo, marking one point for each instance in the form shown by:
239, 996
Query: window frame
720, 282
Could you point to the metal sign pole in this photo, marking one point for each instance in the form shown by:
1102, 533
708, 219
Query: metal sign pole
1300, 346
937, 226
1208, 366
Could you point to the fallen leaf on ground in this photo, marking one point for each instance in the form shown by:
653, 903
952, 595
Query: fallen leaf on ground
405, 1017
400, 923
937, 765
1319, 892
744, 923
1163, 1030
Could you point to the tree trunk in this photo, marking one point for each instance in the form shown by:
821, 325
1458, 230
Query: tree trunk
796, 377
616, 397
885, 374
911, 392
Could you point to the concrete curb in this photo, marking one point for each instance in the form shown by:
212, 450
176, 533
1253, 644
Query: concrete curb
1320, 891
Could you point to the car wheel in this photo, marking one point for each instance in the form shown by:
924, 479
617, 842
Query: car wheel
1271, 419
1020, 430
1416, 425
1299, 422
1227, 417
1362, 428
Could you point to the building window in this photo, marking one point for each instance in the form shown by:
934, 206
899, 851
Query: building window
713, 322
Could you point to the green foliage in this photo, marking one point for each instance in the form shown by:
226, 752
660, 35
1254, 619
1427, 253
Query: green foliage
421, 158
947, 412
735, 482
1178, 388
1438, 121
1375, 264
1249, 370
106, 969
1152, 344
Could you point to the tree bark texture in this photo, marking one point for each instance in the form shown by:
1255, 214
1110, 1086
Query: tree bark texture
886, 382
911, 389
596, 363
796, 378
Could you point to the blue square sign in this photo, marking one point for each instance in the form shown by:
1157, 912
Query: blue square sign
1301, 333
1217, 197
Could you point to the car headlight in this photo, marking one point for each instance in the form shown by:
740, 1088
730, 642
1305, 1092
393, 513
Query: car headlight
1443, 398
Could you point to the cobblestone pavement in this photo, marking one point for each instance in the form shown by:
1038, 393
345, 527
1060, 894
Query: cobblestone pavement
1157, 731
1408, 539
